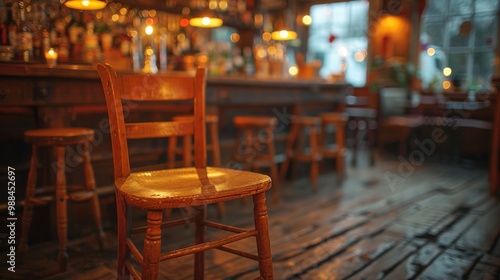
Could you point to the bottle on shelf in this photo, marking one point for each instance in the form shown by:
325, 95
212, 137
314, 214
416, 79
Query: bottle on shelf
24, 36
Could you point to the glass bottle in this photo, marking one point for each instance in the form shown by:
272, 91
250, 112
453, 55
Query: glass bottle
4, 31
24, 36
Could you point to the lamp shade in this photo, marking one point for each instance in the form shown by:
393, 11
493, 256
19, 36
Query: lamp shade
283, 35
205, 18
85, 4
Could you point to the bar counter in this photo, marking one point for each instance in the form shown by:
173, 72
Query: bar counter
36, 96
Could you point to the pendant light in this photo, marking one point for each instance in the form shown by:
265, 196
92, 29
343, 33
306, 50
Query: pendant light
205, 18
85, 4
283, 35
282, 32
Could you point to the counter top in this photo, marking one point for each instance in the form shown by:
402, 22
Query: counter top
87, 71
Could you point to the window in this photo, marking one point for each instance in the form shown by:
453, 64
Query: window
346, 23
460, 34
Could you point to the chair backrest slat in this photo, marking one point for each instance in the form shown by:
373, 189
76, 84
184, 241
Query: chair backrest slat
125, 93
158, 129
157, 87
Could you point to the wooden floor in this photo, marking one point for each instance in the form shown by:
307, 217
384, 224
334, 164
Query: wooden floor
392, 221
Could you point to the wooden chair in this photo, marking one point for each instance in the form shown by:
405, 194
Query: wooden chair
193, 187
336, 150
298, 149
60, 139
254, 148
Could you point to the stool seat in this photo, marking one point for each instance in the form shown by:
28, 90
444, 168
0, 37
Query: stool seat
60, 138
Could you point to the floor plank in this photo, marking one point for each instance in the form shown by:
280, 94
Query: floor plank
437, 222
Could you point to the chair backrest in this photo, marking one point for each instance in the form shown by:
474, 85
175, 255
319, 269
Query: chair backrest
128, 91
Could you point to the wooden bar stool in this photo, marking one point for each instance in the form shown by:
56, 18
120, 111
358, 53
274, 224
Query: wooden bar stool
191, 187
186, 150
254, 148
213, 147
298, 149
338, 149
60, 138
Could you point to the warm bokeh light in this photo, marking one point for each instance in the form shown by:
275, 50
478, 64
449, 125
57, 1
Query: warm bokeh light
446, 85
266, 36
149, 30
115, 17
431, 51
271, 50
184, 22
261, 53
293, 70
447, 71
360, 56
258, 20
307, 20
235, 37
123, 11
212, 4
223, 5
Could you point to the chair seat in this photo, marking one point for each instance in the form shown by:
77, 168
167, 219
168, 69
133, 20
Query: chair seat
173, 188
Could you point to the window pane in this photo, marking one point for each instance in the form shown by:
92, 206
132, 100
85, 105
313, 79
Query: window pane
458, 64
457, 38
486, 5
485, 27
435, 33
483, 68
436, 8
459, 7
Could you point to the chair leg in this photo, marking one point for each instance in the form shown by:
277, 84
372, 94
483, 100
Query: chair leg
123, 233
199, 262
90, 180
263, 242
152, 245
62, 219
28, 206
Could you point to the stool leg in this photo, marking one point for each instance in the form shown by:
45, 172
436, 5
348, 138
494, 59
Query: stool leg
199, 262
263, 242
215, 144
61, 199
274, 167
289, 150
90, 180
340, 133
314, 158
172, 145
152, 245
28, 206
188, 151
